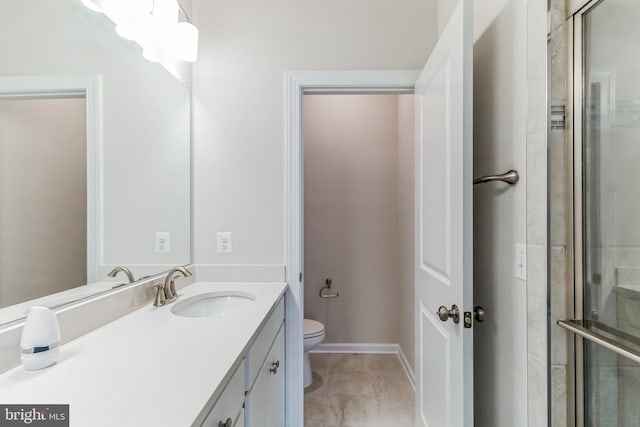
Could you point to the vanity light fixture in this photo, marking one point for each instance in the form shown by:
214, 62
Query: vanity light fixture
166, 13
132, 18
91, 5
154, 25
186, 41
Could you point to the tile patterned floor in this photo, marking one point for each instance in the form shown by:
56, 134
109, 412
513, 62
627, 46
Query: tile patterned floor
364, 390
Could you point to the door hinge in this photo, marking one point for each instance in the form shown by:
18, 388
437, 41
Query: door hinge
558, 116
300, 277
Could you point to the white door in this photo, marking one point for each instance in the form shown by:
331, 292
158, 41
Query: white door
444, 268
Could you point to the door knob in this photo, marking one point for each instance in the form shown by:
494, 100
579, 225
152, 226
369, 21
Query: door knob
479, 314
445, 314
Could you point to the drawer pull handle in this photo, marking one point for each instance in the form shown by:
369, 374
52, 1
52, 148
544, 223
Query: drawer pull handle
227, 423
274, 367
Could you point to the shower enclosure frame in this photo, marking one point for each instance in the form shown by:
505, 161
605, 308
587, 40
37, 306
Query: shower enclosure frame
576, 393
575, 350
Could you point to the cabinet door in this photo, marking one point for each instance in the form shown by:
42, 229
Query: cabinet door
265, 404
229, 404
240, 420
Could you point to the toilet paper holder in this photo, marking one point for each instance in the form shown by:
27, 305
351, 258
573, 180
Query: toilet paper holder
326, 288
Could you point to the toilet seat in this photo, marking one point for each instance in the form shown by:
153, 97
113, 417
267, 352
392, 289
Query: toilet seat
312, 328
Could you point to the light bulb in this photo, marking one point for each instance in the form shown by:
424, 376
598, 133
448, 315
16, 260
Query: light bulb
124, 32
150, 55
130, 23
166, 12
186, 42
143, 6
91, 5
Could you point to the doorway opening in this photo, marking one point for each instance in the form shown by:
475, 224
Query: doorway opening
299, 84
358, 256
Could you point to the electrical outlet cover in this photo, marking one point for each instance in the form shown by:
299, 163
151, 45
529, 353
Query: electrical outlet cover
224, 242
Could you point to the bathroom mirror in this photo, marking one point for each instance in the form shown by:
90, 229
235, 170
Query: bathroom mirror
129, 195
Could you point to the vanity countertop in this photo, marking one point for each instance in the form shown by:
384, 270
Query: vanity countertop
148, 368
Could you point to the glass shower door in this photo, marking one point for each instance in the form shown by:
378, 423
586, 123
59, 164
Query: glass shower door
610, 147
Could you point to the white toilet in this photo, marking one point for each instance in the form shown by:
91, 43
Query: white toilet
313, 335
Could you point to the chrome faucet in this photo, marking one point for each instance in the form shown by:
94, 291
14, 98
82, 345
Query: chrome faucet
165, 294
125, 270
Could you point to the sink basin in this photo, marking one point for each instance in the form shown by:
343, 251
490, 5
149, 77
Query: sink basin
212, 304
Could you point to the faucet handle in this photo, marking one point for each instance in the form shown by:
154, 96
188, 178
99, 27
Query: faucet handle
160, 297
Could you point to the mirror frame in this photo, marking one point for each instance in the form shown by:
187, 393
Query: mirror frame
88, 86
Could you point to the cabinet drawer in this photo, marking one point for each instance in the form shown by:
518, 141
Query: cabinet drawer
230, 402
262, 344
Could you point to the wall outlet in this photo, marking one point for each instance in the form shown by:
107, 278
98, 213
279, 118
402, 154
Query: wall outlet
224, 242
521, 261
163, 242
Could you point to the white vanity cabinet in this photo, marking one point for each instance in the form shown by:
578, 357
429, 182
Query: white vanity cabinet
254, 396
228, 410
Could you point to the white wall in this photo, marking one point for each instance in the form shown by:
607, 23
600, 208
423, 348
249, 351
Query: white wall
239, 142
358, 218
500, 134
145, 122
43, 194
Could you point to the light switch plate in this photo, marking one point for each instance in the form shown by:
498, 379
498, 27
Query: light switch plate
224, 242
521, 261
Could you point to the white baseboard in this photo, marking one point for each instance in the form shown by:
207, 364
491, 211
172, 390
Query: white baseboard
407, 368
356, 348
369, 348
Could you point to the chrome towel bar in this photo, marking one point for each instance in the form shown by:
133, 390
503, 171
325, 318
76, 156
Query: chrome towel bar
577, 327
510, 178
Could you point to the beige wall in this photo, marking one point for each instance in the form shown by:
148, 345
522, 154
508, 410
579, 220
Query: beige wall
43, 189
359, 216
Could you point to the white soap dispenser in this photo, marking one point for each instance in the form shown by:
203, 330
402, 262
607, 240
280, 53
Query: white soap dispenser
40, 342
